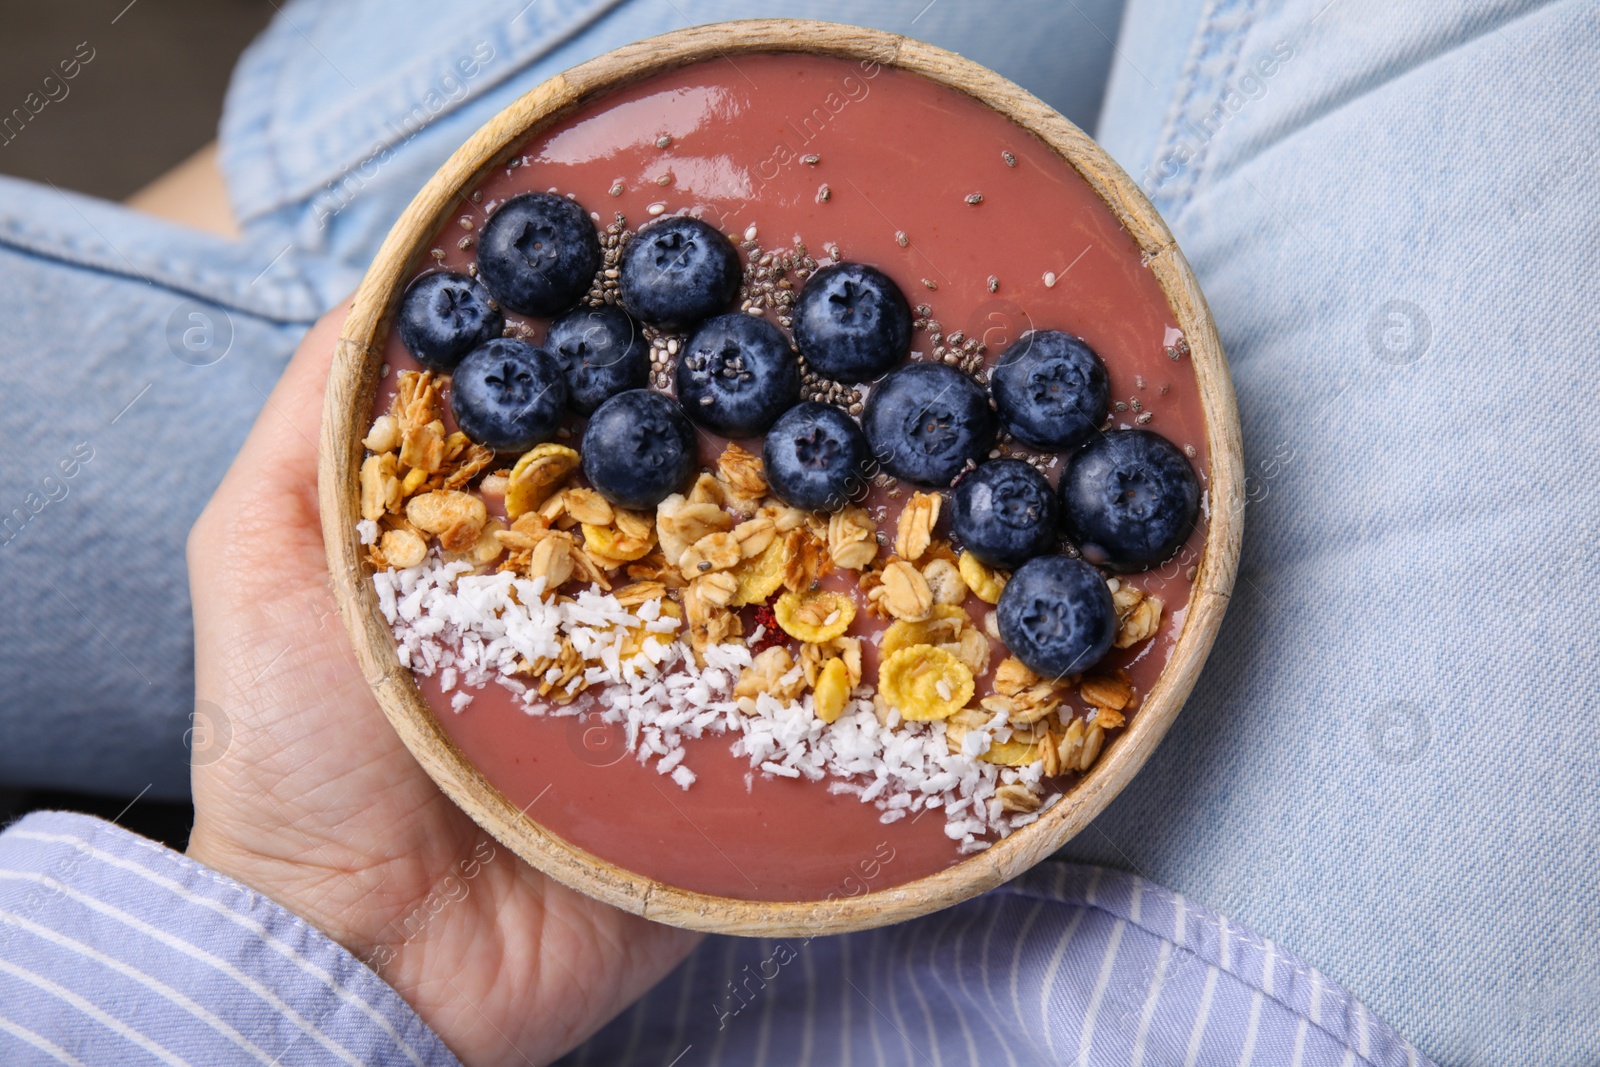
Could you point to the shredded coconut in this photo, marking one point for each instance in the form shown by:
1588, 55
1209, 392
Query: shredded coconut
473, 629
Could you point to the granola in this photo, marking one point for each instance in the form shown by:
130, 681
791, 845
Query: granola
904, 593
680, 523
915, 531
852, 543
742, 473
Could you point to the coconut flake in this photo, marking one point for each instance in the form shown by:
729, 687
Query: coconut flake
474, 629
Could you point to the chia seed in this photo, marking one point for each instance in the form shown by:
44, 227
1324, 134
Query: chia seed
663, 141
465, 222
1010, 159
824, 194
974, 199
994, 284
901, 239
811, 160
616, 188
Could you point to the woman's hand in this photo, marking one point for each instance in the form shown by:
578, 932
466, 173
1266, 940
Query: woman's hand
313, 800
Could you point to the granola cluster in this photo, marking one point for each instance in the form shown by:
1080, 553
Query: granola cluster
691, 567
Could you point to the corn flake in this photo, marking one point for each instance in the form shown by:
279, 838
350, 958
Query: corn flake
614, 545
832, 691
815, 617
986, 583
536, 475
925, 683
760, 577
945, 626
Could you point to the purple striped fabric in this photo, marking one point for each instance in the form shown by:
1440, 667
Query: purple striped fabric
1065, 965
115, 950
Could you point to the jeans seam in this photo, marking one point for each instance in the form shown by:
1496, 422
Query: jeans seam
295, 256
1208, 44
1247, 13
219, 289
1187, 85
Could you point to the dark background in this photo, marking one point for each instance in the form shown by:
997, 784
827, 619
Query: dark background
149, 99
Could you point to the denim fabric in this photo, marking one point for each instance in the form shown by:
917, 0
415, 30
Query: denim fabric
136, 355
1388, 764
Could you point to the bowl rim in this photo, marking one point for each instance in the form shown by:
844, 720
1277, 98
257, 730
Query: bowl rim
354, 378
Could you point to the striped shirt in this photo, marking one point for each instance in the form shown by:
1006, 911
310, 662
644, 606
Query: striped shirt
115, 950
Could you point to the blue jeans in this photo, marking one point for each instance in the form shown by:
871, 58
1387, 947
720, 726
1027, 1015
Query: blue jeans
1388, 765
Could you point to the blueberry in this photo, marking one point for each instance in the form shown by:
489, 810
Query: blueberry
638, 449
737, 375
1004, 513
1056, 616
603, 353
1052, 390
508, 395
816, 457
677, 271
445, 315
851, 322
925, 420
538, 253
1129, 499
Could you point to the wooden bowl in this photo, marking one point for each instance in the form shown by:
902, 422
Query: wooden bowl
355, 376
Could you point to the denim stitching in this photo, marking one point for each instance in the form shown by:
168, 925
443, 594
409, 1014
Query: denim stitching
1184, 92
1247, 15
275, 303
